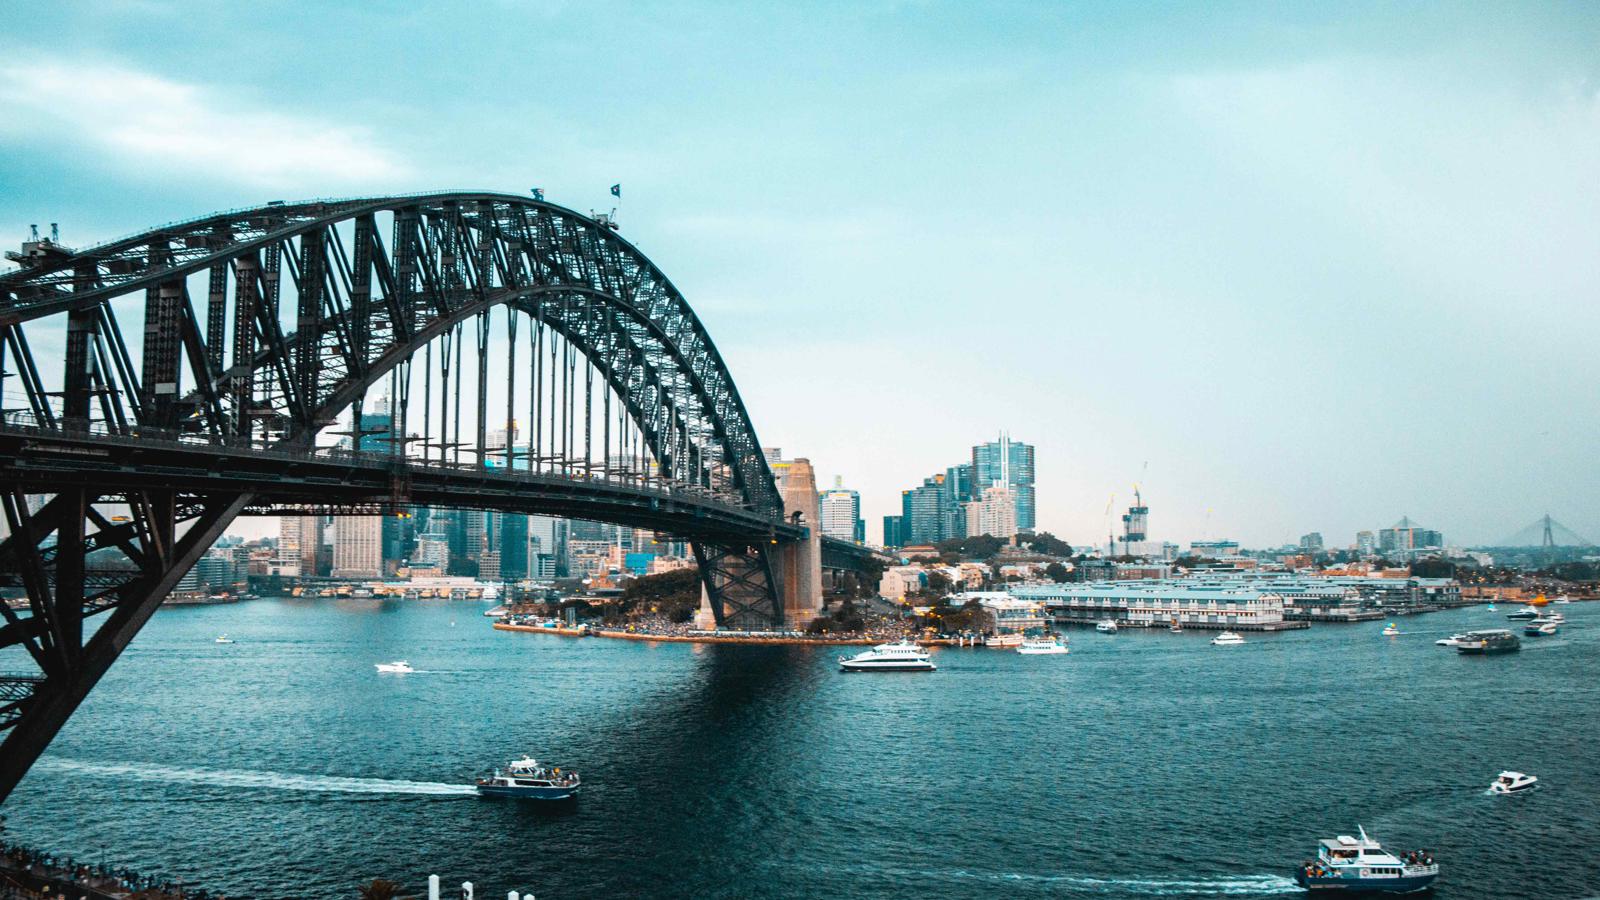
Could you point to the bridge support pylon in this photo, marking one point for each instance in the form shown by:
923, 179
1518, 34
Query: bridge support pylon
732, 579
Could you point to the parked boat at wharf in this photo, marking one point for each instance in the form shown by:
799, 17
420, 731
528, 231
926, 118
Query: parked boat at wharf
1043, 646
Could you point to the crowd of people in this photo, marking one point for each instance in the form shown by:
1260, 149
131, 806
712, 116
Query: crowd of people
27, 874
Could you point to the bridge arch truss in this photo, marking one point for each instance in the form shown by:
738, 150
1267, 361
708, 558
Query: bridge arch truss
154, 388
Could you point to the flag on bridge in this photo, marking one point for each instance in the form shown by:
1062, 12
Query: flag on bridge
538, 194
616, 190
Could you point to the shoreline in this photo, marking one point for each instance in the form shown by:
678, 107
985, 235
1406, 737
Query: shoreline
694, 639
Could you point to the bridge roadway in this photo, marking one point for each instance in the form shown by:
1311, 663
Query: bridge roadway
345, 482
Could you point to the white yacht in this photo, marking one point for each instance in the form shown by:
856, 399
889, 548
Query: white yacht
1527, 612
1042, 646
1513, 783
1541, 627
1106, 626
1227, 639
901, 656
398, 667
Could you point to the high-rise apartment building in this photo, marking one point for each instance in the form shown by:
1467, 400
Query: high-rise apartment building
994, 514
1010, 464
1366, 544
1406, 536
358, 547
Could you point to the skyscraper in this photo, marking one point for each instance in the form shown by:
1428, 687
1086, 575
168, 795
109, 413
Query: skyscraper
1008, 463
995, 514
891, 531
840, 509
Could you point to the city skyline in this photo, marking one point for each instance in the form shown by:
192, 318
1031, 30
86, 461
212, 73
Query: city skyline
1255, 265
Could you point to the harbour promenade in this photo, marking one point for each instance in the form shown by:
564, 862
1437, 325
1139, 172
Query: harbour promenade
27, 874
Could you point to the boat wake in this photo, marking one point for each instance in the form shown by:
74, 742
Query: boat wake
1089, 885
261, 780
1222, 886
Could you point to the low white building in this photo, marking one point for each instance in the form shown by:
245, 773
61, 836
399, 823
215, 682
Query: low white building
1159, 603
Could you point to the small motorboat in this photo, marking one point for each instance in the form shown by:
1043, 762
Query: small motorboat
1556, 617
1491, 606
1391, 630
1563, 599
398, 667
1362, 866
1176, 628
1541, 627
526, 779
1106, 626
1453, 640
1513, 783
901, 656
1227, 639
224, 639
1042, 646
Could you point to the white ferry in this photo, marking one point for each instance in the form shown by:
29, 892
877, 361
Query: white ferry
1360, 865
526, 779
901, 656
1042, 646
1004, 641
1227, 639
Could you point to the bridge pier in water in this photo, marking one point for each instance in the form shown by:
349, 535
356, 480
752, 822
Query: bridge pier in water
796, 566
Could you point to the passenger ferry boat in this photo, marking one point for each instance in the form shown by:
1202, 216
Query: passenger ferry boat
526, 779
901, 656
1360, 865
1004, 641
1042, 646
1486, 642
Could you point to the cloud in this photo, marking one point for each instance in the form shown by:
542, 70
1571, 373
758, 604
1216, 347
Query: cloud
154, 124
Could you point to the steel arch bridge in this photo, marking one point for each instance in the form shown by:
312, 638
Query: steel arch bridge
525, 358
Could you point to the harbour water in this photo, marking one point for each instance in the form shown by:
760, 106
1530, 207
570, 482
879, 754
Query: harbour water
1143, 764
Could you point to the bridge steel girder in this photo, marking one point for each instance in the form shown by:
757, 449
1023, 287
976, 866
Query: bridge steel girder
182, 462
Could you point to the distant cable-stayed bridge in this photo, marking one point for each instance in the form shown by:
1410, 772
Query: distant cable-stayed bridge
1545, 532
527, 358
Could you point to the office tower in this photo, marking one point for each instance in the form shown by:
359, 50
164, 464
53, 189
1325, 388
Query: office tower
891, 531
840, 509
1009, 463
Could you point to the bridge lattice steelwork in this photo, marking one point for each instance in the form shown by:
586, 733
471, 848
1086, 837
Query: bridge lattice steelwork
471, 350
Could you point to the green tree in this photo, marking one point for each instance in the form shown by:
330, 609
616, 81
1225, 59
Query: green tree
1057, 572
674, 594
380, 889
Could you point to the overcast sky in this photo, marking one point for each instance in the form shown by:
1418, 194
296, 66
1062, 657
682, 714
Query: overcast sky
1293, 267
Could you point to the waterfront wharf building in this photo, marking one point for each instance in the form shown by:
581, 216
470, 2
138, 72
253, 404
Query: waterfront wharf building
1159, 604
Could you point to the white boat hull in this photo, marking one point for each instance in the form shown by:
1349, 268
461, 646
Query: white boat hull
887, 665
